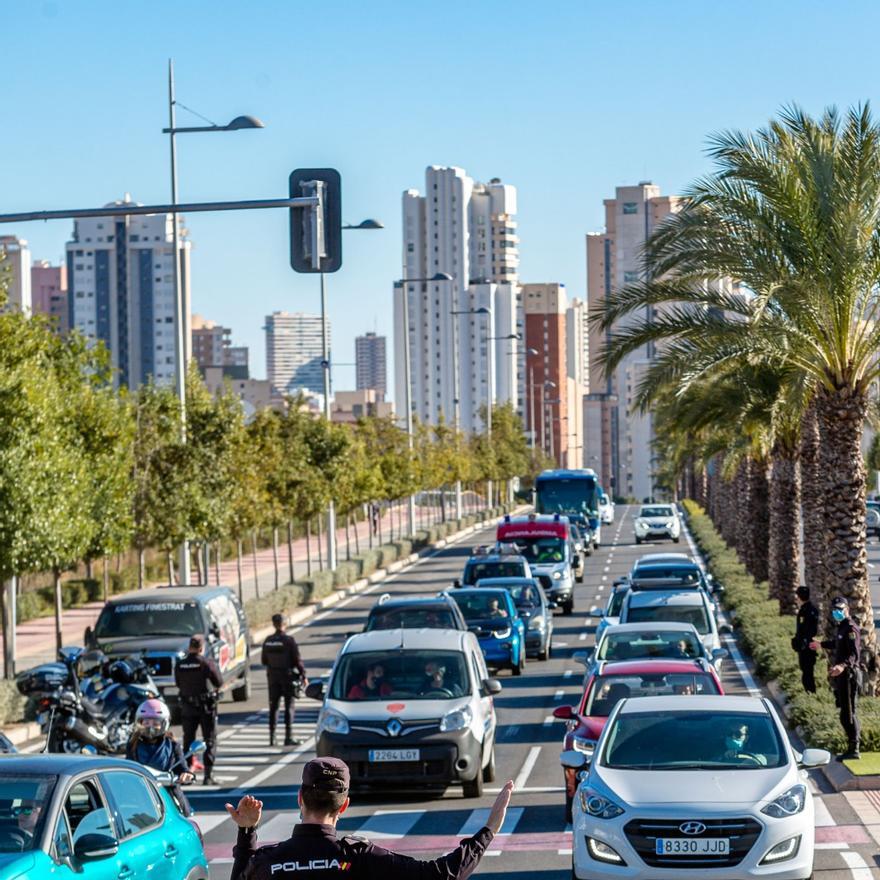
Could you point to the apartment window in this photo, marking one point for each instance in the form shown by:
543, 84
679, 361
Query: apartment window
630, 277
134, 238
630, 207
410, 248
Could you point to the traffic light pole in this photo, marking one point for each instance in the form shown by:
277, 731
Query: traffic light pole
325, 364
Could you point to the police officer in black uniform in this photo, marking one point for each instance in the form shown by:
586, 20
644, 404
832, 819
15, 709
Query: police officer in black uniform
197, 679
314, 846
284, 670
805, 632
846, 648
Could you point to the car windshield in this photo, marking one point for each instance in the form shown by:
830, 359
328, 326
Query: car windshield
608, 690
682, 574
655, 511
24, 802
639, 645
542, 550
524, 595
412, 618
405, 675
476, 571
140, 619
482, 606
693, 740
693, 614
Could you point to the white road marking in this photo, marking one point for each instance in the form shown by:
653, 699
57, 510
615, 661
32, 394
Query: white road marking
278, 827
568, 673
547, 722
477, 820
858, 867
393, 824
209, 821
563, 852
823, 815
529, 789
233, 768
582, 637
559, 694
527, 767
273, 769
834, 845
560, 644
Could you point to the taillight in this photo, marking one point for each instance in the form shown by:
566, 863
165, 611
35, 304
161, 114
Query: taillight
45, 703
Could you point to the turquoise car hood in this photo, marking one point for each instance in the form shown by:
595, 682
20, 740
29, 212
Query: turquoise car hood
13, 865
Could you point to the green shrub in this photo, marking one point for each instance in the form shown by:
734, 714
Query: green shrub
12, 703
767, 637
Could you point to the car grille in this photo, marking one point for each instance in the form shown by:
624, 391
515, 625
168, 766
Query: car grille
406, 727
401, 770
643, 833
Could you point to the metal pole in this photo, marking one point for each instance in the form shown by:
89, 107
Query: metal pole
489, 359
456, 384
183, 565
407, 377
532, 404
10, 588
325, 362
543, 421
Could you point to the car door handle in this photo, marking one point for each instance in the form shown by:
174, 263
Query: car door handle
170, 852
125, 872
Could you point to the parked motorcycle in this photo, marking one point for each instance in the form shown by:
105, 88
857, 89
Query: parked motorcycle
98, 712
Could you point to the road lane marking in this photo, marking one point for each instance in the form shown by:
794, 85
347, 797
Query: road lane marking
823, 814
392, 824
209, 821
477, 820
273, 769
563, 852
836, 845
568, 673
858, 867
547, 722
527, 767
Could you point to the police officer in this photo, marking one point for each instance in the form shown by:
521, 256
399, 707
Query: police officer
194, 677
314, 846
844, 672
284, 666
805, 632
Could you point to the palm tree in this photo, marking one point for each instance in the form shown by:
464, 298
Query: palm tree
793, 213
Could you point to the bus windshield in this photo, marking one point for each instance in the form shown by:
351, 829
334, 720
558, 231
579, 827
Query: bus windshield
567, 495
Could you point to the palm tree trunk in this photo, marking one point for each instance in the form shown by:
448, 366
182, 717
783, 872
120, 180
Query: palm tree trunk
348, 537
812, 509
785, 526
759, 519
841, 416
740, 522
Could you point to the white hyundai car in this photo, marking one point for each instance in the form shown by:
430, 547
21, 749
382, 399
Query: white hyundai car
657, 521
693, 786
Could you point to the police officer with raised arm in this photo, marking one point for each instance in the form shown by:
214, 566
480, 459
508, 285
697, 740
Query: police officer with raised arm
198, 679
284, 669
844, 672
805, 632
315, 846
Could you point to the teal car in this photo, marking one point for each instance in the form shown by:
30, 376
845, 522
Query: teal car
81, 817
492, 616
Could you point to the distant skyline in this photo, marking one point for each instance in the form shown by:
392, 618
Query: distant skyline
565, 102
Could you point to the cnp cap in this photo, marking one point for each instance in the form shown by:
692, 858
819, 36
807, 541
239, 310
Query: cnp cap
839, 602
326, 774
196, 642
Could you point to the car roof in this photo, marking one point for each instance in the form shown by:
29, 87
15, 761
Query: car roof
669, 564
695, 702
641, 626
61, 765
441, 600
502, 582
481, 591
641, 598
639, 667
650, 558
170, 594
496, 557
407, 640
657, 504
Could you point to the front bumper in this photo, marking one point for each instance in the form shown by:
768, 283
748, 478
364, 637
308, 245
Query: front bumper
499, 652
444, 758
642, 865
535, 640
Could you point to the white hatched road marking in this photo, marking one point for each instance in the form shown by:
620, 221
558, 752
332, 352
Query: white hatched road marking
209, 821
526, 769
559, 694
823, 816
857, 865
390, 824
547, 722
278, 827
477, 820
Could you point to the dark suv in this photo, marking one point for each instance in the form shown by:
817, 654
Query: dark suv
415, 612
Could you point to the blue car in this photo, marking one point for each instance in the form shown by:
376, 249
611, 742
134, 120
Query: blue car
533, 607
82, 817
492, 617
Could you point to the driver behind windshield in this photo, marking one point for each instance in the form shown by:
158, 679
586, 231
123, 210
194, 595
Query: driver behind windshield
372, 686
18, 834
493, 609
735, 738
435, 680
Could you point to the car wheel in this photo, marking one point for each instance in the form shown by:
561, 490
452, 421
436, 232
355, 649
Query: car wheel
638, 540
579, 578
517, 668
473, 788
489, 769
544, 652
569, 802
677, 540
568, 607
242, 693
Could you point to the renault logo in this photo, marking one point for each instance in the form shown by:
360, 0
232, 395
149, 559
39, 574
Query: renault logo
393, 727
692, 828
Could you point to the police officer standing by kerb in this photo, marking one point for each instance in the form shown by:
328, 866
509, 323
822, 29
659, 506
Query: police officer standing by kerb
844, 672
805, 633
197, 679
314, 845
284, 669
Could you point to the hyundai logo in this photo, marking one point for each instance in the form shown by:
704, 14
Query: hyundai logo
692, 828
393, 727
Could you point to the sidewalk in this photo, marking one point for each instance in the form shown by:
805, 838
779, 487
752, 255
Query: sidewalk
35, 639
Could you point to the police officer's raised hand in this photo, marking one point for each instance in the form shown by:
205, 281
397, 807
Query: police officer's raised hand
499, 808
247, 813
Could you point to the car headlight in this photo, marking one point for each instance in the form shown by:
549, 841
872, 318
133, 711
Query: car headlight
332, 722
602, 852
641, 525
501, 633
457, 719
789, 803
537, 623
557, 575
582, 744
597, 806
670, 524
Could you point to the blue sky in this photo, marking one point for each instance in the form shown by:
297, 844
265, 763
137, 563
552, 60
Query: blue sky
564, 100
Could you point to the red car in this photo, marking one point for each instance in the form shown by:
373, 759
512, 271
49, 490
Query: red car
612, 682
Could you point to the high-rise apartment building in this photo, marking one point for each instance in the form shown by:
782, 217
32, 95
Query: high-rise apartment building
466, 230
371, 369
614, 259
212, 347
294, 352
18, 263
577, 347
120, 275
49, 293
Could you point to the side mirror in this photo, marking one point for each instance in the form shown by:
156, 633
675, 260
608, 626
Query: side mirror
717, 588
596, 612
164, 778
573, 760
564, 713
581, 657
725, 629
618, 583
551, 605
815, 758
87, 637
720, 653
456, 583
491, 686
214, 630
196, 748
91, 847
315, 690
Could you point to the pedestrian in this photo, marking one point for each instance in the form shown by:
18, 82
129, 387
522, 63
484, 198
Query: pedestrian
805, 632
197, 679
374, 515
314, 845
284, 671
844, 672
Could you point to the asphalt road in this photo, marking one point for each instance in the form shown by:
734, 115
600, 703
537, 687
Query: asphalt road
535, 842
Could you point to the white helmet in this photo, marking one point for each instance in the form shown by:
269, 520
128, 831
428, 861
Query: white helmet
152, 719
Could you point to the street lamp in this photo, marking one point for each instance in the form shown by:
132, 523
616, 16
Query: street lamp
325, 367
532, 352
239, 123
407, 377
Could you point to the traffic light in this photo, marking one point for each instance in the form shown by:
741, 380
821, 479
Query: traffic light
316, 228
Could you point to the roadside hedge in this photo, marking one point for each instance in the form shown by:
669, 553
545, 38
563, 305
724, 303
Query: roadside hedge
767, 637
